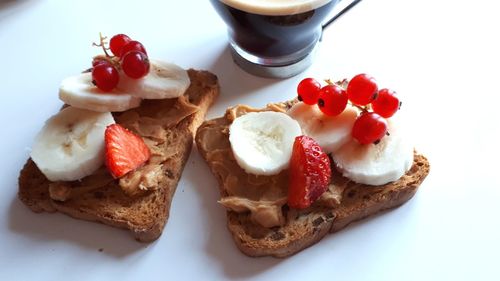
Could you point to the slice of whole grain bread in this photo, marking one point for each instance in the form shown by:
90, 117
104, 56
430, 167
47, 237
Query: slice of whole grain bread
304, 228
146, 215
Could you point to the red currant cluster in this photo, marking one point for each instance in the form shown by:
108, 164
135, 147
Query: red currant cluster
129, 56
362, 91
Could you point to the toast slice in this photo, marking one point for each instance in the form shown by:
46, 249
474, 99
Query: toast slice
345, 201
145, 215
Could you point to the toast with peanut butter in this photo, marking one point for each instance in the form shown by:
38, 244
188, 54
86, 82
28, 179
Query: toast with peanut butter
258, 216
139, 201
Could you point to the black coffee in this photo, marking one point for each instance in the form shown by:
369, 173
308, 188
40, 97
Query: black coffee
273, 35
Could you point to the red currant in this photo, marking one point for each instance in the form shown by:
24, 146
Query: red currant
332, 100
135, 64
117, 42
386, 103
369, 127
132, 46
105, 76
362, 89
308, 91
97, 61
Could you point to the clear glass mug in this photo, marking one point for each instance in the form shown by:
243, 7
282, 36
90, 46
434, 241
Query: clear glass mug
274, 38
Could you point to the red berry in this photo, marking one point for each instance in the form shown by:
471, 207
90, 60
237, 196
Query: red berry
332, 100
310, 173
135, 64
362, 89
97, 61
125, 151
369, 127
105, 76
308, 91
386, 103
117, 42
132, 46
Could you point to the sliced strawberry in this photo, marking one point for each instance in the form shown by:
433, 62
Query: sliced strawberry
310, 173
125, 151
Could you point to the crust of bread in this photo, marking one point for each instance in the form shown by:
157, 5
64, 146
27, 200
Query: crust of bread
144, 216
307, 227
310, 227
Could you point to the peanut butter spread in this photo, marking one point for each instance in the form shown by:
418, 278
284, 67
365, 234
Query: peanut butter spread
151, 121
262, 196
154, 131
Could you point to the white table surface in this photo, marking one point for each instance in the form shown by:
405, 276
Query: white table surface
441, 56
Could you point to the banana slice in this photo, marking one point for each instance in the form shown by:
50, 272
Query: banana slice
71, 144
331, 132
376, 164
262, 141
164, 81
78, 91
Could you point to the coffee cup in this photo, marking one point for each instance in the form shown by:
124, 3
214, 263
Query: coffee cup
274, 38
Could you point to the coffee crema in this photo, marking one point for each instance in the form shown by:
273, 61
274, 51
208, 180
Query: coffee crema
275, 7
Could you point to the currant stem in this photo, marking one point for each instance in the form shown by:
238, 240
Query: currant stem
341, 83
102, 44
361, 108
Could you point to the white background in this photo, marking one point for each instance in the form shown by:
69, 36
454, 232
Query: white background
441, 56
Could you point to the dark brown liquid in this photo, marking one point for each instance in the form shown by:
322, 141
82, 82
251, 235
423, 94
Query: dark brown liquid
272, 36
